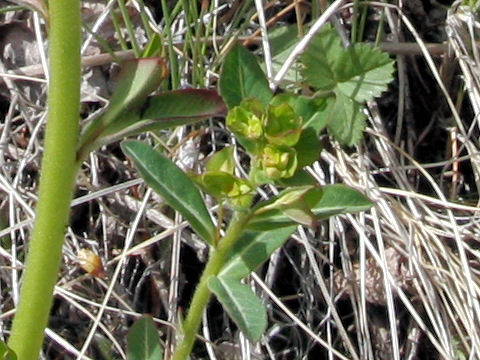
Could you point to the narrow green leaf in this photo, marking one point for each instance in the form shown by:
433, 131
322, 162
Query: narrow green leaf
143, 341
347, 121
6, 353
184, 104
241, 304
169, 109
137, 79
154, 47
243, 78
173, 185
163, 111
252, 250
336, 199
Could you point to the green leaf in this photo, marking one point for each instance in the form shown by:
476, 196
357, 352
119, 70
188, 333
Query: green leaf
319, 60
308, 148
173, 185
295, 203
169, 109
360, 72
154, 47
143, 341
346, 121
364, 72
241, 304
6, 353
243, 78
222, 160
137, 79
336, 199
300, 178
252, 250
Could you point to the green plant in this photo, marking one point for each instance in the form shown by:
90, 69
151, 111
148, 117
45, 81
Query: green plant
280, 135
131, 111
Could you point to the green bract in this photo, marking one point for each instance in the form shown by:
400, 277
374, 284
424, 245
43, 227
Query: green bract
222, 185
282, 126
247, 119
278, 161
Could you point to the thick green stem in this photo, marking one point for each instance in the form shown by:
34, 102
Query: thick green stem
202, 293
56, 181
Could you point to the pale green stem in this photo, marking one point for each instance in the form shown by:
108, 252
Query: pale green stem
202, 294
56, 181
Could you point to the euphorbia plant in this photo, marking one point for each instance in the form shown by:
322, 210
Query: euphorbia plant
280, 135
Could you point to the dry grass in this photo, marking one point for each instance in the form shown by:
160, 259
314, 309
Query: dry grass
398, 282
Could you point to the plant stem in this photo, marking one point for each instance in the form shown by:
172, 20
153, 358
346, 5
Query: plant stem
56, 181
202, 294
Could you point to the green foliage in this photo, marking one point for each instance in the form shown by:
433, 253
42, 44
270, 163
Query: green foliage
177, 189
335, 199
354, 75
252, 249
346, 120
281, 136
241, 69
243, 306
143, 341
6, 353
131, 111
360, 72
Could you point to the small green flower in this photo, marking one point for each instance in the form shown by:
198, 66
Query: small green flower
278, 161
282, 127
247, 119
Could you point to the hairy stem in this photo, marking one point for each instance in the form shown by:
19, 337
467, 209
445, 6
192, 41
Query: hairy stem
56, 181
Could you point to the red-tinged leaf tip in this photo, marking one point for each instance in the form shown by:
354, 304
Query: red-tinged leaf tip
209, 96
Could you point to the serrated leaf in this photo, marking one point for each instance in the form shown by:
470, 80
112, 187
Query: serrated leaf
363, 72
243, 78
336, 199
143, 341
252, 250
346, 121
319, 59
6, 353
241, 304
360, 72
173, 185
